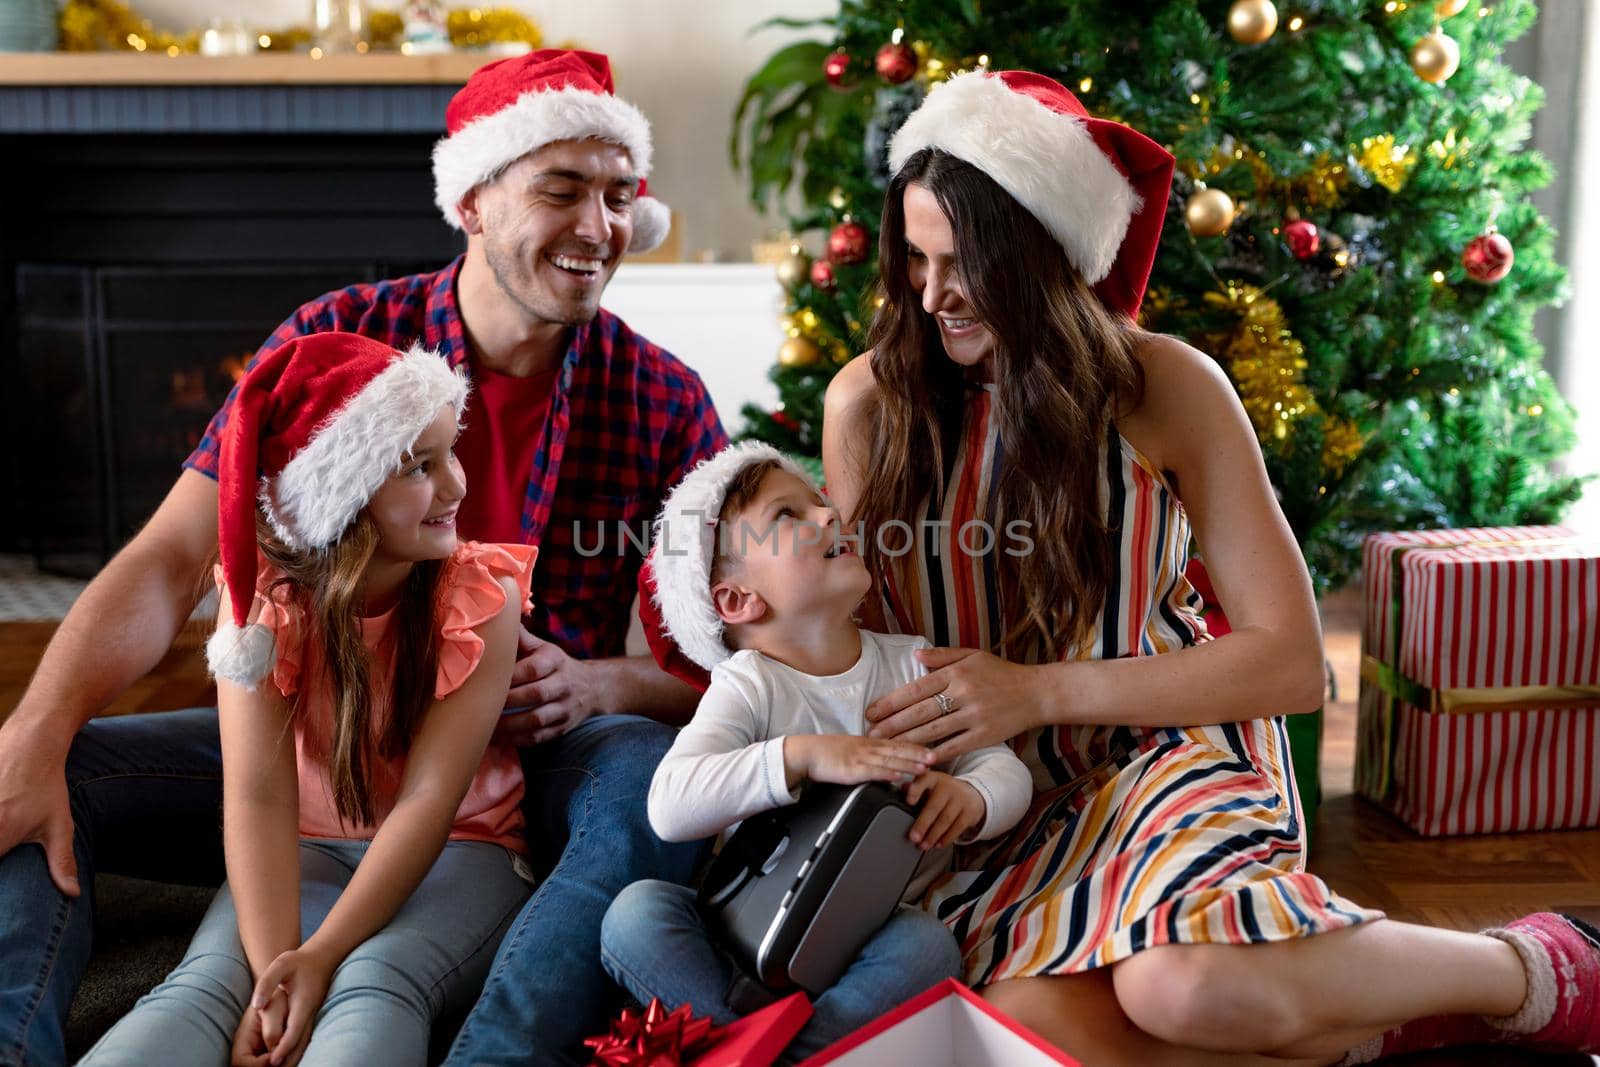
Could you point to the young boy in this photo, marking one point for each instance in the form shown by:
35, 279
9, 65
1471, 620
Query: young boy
755, 584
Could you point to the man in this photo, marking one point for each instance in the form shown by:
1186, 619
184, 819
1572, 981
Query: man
576, 425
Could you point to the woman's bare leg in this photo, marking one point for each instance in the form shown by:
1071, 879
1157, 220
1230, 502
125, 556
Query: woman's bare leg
1294, 996
1080, 1014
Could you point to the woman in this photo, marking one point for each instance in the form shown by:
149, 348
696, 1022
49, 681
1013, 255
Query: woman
1153, 906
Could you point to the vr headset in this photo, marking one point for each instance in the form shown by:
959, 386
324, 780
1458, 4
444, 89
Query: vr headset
796, 892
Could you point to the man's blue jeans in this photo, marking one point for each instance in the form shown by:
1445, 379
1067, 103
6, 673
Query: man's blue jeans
655, 944
146, 796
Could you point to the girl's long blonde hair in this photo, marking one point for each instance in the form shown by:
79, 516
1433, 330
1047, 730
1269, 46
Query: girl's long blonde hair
326, 585
1063, 363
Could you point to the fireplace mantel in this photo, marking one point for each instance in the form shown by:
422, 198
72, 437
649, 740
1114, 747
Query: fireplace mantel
132, 93
269, 68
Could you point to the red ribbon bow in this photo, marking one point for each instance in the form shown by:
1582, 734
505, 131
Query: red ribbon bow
653, 1038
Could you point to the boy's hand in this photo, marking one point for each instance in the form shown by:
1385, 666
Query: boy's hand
845, 759
950, 807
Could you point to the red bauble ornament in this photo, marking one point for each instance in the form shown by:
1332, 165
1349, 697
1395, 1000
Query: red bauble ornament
1303, 238
836, 68
896, 62
787, 421
848, 244
1488, 258
822, 275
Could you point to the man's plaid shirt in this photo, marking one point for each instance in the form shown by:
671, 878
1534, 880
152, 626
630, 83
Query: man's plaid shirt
626, 421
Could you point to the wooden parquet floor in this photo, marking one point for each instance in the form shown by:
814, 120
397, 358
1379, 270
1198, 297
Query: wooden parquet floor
1464, 883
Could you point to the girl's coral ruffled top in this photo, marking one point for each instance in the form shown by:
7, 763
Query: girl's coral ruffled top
470, 595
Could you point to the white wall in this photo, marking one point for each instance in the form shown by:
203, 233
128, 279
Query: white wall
682, 61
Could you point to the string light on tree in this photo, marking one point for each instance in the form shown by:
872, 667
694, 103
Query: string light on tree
1488, 257
849, 243
1252, 21
1436, 56
1209, 212
896, 62
794, 267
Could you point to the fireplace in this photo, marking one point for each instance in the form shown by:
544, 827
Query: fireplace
164, 231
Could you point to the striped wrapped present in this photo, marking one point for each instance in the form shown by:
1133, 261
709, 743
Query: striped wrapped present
1480, 679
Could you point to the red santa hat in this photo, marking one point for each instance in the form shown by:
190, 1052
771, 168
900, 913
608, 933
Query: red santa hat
685, 547
515, 106
317, 426
1098, 186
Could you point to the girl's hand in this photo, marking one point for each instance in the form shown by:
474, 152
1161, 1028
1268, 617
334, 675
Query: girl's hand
990, 700
302, 977
950, 807
257, 1032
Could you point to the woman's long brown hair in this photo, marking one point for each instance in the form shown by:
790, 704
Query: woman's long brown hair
1063, 364
326, 585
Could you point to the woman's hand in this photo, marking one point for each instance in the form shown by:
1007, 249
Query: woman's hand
301, 978
990, 700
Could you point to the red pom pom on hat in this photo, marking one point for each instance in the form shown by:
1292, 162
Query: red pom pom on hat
515, 106
1098, 186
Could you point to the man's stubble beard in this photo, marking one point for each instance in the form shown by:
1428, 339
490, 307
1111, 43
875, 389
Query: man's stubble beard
503, 268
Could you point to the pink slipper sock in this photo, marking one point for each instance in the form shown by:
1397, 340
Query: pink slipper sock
1561, 1012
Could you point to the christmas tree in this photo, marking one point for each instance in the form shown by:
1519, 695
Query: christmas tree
1350, 232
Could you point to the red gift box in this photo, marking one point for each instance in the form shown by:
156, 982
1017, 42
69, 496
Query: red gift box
656, 1037
760, 1037
947, 1026
1480, 679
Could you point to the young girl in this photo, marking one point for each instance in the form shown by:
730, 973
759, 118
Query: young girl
372, 863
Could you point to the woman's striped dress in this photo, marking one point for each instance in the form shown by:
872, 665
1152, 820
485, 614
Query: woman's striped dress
1137, 836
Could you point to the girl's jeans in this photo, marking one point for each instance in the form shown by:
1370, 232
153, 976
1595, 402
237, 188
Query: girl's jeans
655, 944
431, 958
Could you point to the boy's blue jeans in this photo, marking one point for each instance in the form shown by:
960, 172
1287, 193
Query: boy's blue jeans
146, 796
655, 944
431, 958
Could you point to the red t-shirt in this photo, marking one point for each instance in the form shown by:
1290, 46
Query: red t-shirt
505, 416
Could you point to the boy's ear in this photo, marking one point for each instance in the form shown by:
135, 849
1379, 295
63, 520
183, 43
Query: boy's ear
736, 605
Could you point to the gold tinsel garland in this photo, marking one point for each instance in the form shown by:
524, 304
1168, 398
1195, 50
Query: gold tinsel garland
1267, 364
1321, 186
110, 25
1388, 163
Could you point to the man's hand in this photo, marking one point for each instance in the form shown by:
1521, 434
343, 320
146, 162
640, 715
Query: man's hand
950, 808
845, 759
559, 692
33, 807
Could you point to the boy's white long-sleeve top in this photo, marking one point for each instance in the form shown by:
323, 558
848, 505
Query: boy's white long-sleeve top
727, 764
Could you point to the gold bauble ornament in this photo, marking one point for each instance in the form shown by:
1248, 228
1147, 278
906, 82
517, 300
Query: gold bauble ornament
798, 352
1252, 21
1209, 213
1436, 56
1449, 8
794, 268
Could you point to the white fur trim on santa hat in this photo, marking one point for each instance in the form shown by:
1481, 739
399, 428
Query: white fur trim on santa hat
685, 546
484, 147
1043, 158
327, 483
